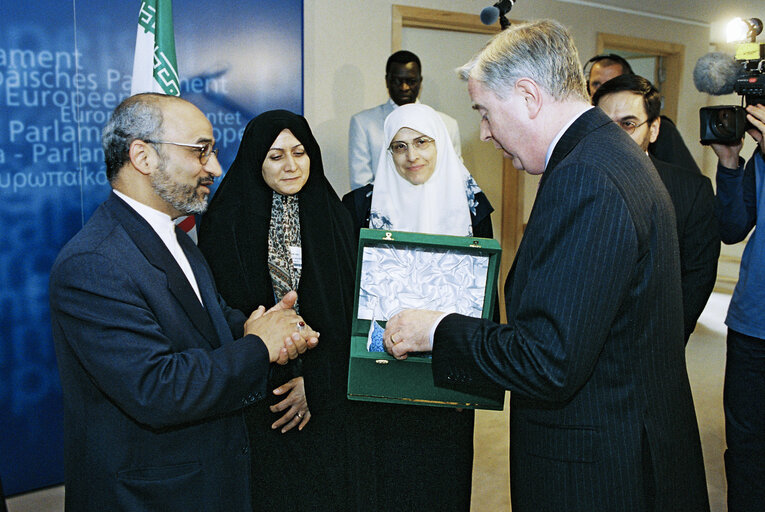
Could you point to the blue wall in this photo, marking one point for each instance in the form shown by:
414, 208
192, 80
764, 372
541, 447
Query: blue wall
61, 73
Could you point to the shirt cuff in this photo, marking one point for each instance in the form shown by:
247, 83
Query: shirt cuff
433, 330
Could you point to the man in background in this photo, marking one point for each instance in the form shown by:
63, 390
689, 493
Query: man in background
669, 146
155, 369
633, 103
601, 412
403, 78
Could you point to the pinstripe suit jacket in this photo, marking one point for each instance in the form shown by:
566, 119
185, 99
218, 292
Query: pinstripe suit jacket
602, 417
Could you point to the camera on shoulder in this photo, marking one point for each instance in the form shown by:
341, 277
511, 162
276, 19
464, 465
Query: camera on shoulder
717, 73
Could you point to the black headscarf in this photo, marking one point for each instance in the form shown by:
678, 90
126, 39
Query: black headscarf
233, 236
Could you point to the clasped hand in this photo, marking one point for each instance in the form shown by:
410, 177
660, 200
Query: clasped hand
284, 332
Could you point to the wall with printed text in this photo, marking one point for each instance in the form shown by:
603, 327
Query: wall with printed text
64, 66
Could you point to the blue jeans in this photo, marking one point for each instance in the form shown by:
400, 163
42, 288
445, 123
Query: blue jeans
744, 403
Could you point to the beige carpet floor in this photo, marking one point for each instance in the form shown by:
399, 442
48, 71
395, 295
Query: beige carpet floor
706, 362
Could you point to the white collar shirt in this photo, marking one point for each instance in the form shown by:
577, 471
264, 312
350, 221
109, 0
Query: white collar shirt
554, 142
164, 226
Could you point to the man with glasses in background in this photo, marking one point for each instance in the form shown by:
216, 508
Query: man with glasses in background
403, 78
633, 103
156, 370
669, 146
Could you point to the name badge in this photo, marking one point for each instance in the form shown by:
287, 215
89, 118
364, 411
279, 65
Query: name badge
297, 257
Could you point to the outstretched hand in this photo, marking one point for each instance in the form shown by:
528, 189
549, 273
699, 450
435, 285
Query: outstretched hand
409, 331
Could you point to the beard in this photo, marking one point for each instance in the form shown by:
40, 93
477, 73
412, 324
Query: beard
645, 141
182, 197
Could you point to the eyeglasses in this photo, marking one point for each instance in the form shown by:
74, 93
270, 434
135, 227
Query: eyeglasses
630, 126
398, 147
205, 150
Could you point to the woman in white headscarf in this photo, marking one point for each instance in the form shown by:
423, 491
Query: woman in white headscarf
422, 186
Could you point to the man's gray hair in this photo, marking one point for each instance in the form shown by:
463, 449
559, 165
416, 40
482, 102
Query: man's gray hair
138, 117
541, 50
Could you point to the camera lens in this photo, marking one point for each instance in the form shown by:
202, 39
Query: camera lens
724, 123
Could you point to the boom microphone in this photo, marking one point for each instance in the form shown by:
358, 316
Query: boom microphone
489, 15
716, 73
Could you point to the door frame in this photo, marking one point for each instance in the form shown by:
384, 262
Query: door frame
672, 53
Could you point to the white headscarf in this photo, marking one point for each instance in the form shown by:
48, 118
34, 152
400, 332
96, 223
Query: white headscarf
438, 206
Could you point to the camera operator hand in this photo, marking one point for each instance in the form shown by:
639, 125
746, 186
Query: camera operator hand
755, 114
728, 154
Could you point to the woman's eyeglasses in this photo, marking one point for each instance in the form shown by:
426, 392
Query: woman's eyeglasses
398, 147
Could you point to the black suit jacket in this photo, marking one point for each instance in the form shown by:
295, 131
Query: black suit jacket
670, 147
601, 411
154, 383
698, 236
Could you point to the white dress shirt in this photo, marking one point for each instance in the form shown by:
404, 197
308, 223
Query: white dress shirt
164, 226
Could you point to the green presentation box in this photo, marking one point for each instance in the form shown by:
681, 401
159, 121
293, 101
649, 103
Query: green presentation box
399, 270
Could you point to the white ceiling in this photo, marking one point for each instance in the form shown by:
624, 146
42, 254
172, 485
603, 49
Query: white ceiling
706, 11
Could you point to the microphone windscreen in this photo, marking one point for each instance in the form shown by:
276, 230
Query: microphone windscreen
716, 73
489, 15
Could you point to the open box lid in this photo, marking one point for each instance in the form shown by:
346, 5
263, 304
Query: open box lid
399, 270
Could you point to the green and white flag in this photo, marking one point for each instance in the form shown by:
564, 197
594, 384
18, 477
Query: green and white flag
154, 65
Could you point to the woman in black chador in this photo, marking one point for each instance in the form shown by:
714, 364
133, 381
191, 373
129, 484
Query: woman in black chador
275, 224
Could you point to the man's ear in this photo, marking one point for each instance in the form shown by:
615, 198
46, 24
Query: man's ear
143, 156
531, 94
654, 129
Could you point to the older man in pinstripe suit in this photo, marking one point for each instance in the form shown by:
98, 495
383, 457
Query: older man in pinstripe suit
602, 416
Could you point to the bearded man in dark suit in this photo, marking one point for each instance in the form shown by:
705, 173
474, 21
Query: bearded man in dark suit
601, 412
156, 370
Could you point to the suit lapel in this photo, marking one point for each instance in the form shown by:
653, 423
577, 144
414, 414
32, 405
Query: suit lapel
387, 109
584, 124
156, 253
206, 287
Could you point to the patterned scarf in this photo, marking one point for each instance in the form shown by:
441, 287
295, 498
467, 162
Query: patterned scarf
283, 233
